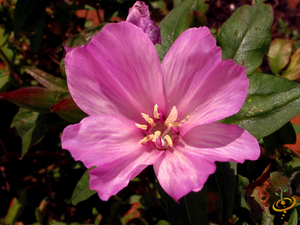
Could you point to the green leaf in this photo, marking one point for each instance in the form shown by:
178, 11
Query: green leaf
35, 25
293, 70
68, 110
243, 182
49, 81
62, 68
16, 208
41, 212
23, 10
163, 222
294, 218
272, 102
84, 37
226, 177
292, 167
292, 73
9, 51
279, 54
54, 222
189, 211
174, 24
285, 135
34, 98
82, 190
115, 212
161, 5
4, 80
97, 217
245, 37
33, 126
3, 34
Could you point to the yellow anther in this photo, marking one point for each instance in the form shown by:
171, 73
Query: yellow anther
173, 114
149, 119
175, 124
156, 135
167, 122
172, 117
143, 127
156, 115
169, 140
147, 138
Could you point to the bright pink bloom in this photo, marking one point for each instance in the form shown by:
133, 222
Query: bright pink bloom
145, 113
140, 16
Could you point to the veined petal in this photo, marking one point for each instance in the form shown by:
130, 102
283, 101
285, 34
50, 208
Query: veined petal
199, 83
222, 142
117, 72
193, 53
180, 172
220, 95
187, 168
111, 144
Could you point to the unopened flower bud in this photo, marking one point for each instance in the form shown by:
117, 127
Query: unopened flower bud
140, 16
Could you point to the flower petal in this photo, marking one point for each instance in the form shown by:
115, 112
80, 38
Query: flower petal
187, 168
111, 144
117, 72
198, 82
222, 142
193, 52
180, 172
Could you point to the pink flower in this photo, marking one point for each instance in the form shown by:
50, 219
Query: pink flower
145, 113
140, 16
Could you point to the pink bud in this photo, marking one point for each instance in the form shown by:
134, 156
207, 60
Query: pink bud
140, 16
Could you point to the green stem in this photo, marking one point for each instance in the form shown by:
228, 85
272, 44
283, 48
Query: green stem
14, 69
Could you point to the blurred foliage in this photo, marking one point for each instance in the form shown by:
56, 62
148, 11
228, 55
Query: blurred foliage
38, 177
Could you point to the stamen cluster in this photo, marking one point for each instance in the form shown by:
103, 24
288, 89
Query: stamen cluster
162, 132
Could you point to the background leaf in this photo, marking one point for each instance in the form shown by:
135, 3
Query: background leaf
174, 24
226, 178
285, 135
16, 208
271, 103
245, 37
294, 218
84, 37
32, 127
35, 25
49, 81
190, 210
33, 98
68, 110
82, 190
279, 54
23, 10
293, 70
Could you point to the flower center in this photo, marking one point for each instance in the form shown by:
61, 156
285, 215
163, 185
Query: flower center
160, 131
